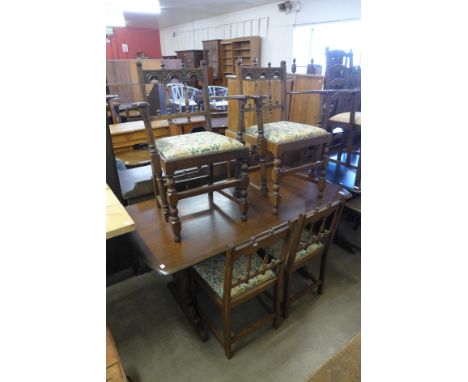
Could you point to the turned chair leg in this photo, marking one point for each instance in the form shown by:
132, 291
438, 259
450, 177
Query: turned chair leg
276, 197
161, 190
244, 205
173, 199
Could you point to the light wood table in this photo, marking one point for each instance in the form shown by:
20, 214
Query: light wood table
118, 221
114, 369
127, 134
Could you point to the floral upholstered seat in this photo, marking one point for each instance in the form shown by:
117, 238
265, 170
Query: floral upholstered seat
344, 117
195, 144
212, 271
285, 131
275, 250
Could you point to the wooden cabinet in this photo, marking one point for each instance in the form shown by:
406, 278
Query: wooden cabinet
212, 54
245, 47
190, 58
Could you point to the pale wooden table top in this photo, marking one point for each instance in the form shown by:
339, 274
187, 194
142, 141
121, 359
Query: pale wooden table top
118, 221
131, 127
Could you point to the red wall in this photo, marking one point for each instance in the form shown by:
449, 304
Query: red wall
137, 39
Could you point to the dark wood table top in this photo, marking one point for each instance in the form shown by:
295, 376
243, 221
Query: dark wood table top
208, 230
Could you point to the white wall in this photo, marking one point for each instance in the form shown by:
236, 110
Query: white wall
275, 28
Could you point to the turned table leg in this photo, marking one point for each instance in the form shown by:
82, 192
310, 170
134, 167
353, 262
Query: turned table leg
181, 290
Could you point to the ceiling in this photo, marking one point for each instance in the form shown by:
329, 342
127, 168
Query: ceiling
175, 12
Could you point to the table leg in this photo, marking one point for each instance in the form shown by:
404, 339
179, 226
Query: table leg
181, 289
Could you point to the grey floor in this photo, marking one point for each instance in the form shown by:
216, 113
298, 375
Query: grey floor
156, 342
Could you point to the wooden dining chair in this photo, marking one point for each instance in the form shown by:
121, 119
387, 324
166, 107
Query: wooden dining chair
339, 67
246, 271
188, 151
313, 235
283, 136
342, 117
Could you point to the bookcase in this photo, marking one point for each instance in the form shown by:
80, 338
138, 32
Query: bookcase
245, 47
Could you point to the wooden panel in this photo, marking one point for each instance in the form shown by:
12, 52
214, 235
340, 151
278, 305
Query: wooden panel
118, 221
306, 108
122, 76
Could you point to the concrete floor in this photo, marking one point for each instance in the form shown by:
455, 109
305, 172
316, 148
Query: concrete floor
157, 343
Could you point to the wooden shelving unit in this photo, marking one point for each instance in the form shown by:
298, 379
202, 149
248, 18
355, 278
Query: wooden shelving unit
245, 47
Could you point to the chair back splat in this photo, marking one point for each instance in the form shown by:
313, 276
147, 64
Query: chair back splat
185, 78
265, 79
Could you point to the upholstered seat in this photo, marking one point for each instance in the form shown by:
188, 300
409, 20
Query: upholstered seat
212, 271
285, 131
275, 250
195, 144
344, 117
